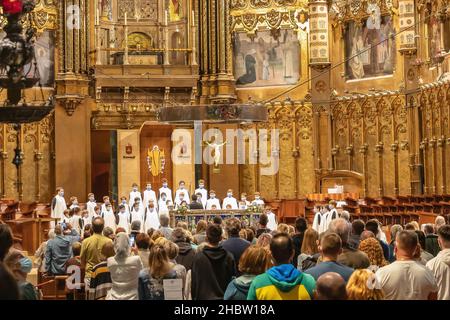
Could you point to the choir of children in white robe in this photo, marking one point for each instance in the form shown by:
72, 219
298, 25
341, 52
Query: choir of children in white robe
230, 200
202, 190
91, 204
135, 193
182, 190
271, 219
109, 217
212, 201
151, 217
149, 194
123, 218
258, 201
58, 206
166, 190
323, 217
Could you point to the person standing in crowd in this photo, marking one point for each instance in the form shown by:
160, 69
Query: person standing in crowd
58, 206
424, 255
300, 227
186, 253
6, 240
200, 232
309, 250
20, 267
357, 288
9, 290
283, 281
396, 228
124, 270
372, 248
262, 225
440, 265
151, 279
195, 204
166, 190
91, 249
39, 255
330, 248
331, 286
355, 236
234, 244
59, 251
213, 267
123, 218
143, 247
374, 227
164, 226
254, 261
100, 282
431, 240
405, 279
349, 257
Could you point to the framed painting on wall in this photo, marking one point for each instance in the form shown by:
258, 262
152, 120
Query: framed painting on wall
267, 59
370, 47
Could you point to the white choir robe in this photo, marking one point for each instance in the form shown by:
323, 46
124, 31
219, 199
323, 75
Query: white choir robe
127, 208
162, 206
167, 191
324, 224
271, 221
75, 222
232, 201
134, 195
65, 220
124, 221
210, 202
151, 219
110, 219
317, 221
150, 195
333, 214
258, 202
58, 207
137, 216
73, 206
86, 221
204, 194
90, 207
186, 196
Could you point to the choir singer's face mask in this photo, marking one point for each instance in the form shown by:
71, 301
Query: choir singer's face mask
134, 189
149, 188
165, 185
212, 196
229, 194
201, 186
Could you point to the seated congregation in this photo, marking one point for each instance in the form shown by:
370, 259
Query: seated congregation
234, 261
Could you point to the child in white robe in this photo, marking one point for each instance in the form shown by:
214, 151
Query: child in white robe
202, 190
182, 190
124, 218
212, 201
58, 206
91, 204
230, 200
149, 194
109, 217
151, 217
135, 193
136, 214
165, 189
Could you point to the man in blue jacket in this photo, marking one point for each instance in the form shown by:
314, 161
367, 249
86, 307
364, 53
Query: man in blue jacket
59, 250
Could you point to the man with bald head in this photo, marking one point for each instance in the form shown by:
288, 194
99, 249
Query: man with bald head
331, 286
405, 279
366, 234
350, 257
283, 281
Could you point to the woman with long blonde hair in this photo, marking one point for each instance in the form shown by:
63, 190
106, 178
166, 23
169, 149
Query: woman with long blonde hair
151, 279
309, 250
362, 285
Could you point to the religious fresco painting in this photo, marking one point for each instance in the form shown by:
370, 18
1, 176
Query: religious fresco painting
434, 36
371, 47
265, 60
44, 51
175, 10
